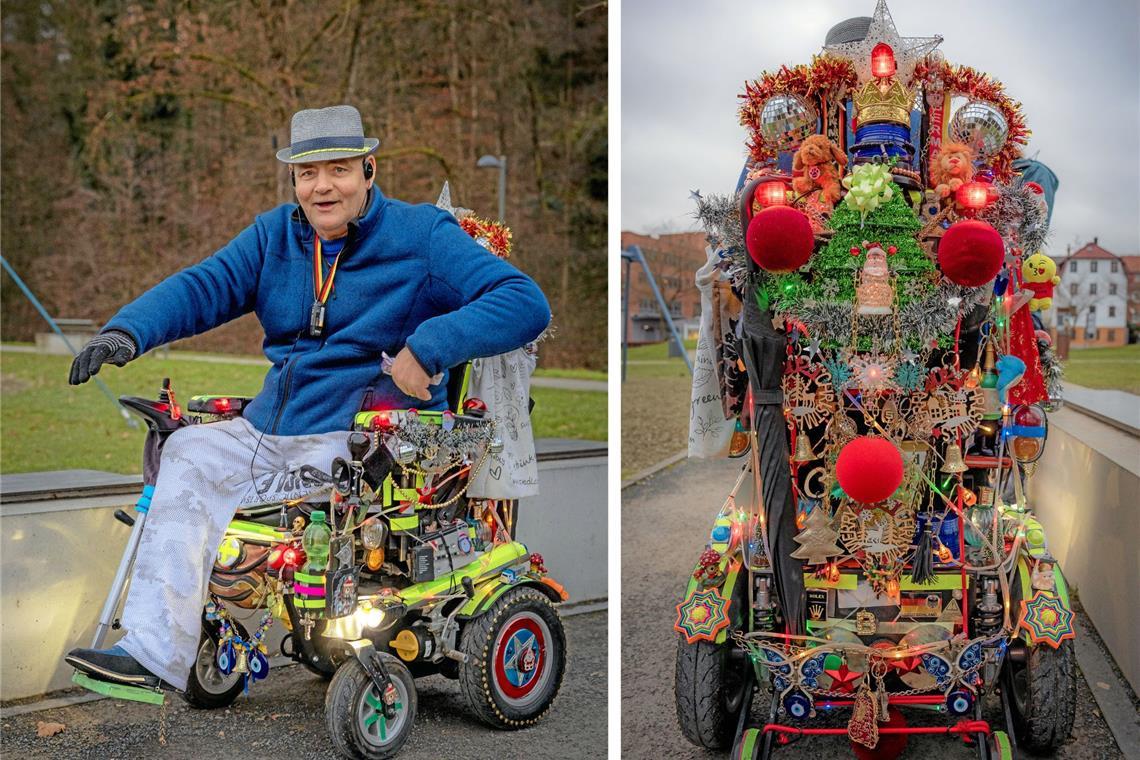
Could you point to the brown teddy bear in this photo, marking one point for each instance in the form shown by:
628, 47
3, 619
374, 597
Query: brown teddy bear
814, 166
952, 168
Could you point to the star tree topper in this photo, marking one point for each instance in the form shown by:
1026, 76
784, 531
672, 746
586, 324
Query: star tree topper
908, 50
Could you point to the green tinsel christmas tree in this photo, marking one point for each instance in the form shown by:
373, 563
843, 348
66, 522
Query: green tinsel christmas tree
823, 297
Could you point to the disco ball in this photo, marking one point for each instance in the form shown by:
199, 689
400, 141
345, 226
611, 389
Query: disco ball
927, 633
855, 661
981, 126
785, 121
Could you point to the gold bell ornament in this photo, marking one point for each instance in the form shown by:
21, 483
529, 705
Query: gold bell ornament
953, 462
803, 450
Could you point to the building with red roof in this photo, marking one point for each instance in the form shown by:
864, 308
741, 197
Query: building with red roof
674, 260
1092, 301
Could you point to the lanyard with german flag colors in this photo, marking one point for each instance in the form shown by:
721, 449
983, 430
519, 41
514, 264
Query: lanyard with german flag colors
322, 287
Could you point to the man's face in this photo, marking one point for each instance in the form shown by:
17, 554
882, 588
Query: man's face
331, 193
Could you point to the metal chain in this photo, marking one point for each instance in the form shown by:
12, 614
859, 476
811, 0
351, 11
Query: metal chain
470, 476
743, 642
162, 722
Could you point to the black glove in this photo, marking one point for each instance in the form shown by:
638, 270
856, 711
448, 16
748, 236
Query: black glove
113, 346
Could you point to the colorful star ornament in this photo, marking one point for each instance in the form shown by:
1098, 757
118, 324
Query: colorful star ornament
702, 615
908, 50
1046, 619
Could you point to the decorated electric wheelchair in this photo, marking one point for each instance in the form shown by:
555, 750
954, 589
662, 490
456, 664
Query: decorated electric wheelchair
878, 556
388, 571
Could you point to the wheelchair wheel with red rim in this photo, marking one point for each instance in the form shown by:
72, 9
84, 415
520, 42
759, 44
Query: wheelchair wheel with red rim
516, 656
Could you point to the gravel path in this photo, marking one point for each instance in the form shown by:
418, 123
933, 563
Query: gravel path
654, 420
665, 522
284, 717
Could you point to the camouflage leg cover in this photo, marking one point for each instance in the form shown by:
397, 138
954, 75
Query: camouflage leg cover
207, 472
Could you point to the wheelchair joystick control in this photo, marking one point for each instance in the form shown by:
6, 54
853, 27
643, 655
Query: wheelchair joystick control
357, 445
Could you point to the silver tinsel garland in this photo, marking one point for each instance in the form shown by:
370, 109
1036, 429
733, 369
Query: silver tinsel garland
1054, 373
720, 217
1018, 215
460, 441
919, 322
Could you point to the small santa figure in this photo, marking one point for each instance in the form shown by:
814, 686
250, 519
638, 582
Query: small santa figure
874, 293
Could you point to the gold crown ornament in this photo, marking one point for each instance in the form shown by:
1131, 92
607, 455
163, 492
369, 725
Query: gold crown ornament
883, 100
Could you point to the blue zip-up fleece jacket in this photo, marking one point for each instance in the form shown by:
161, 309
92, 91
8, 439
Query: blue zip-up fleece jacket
409, 275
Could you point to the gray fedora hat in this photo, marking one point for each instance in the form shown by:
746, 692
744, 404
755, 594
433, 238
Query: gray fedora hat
325, 134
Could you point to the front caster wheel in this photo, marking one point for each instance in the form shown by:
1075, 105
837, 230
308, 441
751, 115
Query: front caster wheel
998, 746
752, 745
516, 654
354, 711
207, 687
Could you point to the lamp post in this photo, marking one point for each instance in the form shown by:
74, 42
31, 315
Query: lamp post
497, 162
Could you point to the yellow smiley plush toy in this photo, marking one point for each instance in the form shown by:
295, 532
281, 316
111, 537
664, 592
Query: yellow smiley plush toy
1039, 274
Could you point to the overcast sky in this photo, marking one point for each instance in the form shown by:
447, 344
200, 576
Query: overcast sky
1073, 64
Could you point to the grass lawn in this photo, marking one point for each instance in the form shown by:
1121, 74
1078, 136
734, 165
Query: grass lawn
48, 425
573, 374
1114, 368
656, 351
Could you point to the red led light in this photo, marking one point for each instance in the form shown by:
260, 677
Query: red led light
973, 195
221, 405
383, 421
882, 61
772, 193
475, 406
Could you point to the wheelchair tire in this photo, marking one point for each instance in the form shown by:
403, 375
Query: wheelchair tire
207, 688
516, 656
357, 725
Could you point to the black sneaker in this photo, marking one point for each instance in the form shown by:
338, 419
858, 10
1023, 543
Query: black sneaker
114, 665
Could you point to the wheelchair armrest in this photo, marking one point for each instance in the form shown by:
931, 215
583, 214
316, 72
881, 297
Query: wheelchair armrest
457, 380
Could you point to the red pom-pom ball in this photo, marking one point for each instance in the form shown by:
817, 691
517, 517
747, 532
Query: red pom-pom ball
971, 253
890, 746
869, 469
780, 239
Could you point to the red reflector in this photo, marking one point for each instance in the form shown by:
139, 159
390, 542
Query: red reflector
383, 421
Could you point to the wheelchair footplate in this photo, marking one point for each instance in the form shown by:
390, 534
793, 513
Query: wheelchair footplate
146, 694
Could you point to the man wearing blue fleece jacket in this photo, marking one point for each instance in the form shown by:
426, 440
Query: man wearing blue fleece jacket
336, 281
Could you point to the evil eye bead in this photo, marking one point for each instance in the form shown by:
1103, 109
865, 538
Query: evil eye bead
959, 702
797, 705
258, 666
226, 659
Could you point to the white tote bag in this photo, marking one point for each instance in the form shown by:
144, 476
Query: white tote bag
503, 383
709, 431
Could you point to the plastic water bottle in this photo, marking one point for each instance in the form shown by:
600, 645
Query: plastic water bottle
316, 543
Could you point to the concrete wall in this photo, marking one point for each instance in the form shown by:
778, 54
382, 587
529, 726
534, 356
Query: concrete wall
1086, 492
58, 557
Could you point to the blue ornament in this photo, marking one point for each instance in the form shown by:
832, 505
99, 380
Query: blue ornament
948, 534
812, 669
797, 705
227, 658
971, 656
937, 667
258, 665
1010, 371
959, 702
